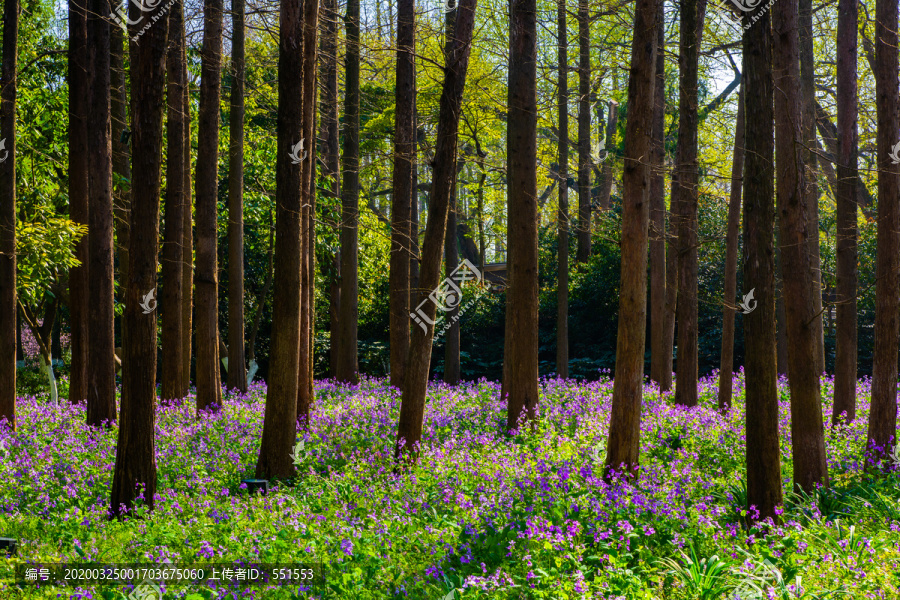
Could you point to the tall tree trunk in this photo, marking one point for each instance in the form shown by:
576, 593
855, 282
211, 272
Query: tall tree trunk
404, 193
612, 120
845, 352
187, 306
280, 421
78, 198
763, 450
328, 114
882, 432
623, 447
807, 433
562, 219
451, 262
412, 403
668, 351
237, 370
305, 382
811, 191
657, 249
348, 364
121, 153
8, 215
584, 134
733, 229
171, 299
101, 400
135, 451
520, 354
206, 278
685, 185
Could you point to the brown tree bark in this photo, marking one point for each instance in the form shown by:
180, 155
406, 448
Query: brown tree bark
732, 231
135, 452
348, 362
171, 299
623, 446
562, 218
8, 300
763, 450
612, 120
101, 399
237, 369
305, 382
845, 352
657, 248
451, 262
280, 421
811, 190
206, 278
263, 294
404, 194
412, 404
520, 355
882, 434
807, 433
583, 232
328, 115
187, 306
78, 198
685, 185
121, 153
665, 383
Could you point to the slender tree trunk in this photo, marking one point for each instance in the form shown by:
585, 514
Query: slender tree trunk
520, 355
8, 215
811, 191
623, 447
882, 432
807, 433
101, 400
187, 306
171, 299
781, 343
668, 351
612, 120
348, 365
562, 219
685, 184
237, 370
412, 404
135, 451
845, 354
331, 158
583, 233
726, 363
657, 249
404, 194
78, 198
206, 279
451, 262
763, 450
121, 153
280, 421
261, 299
305, 383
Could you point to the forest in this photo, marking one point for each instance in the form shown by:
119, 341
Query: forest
456, 299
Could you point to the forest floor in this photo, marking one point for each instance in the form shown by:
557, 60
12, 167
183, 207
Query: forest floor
483, 515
